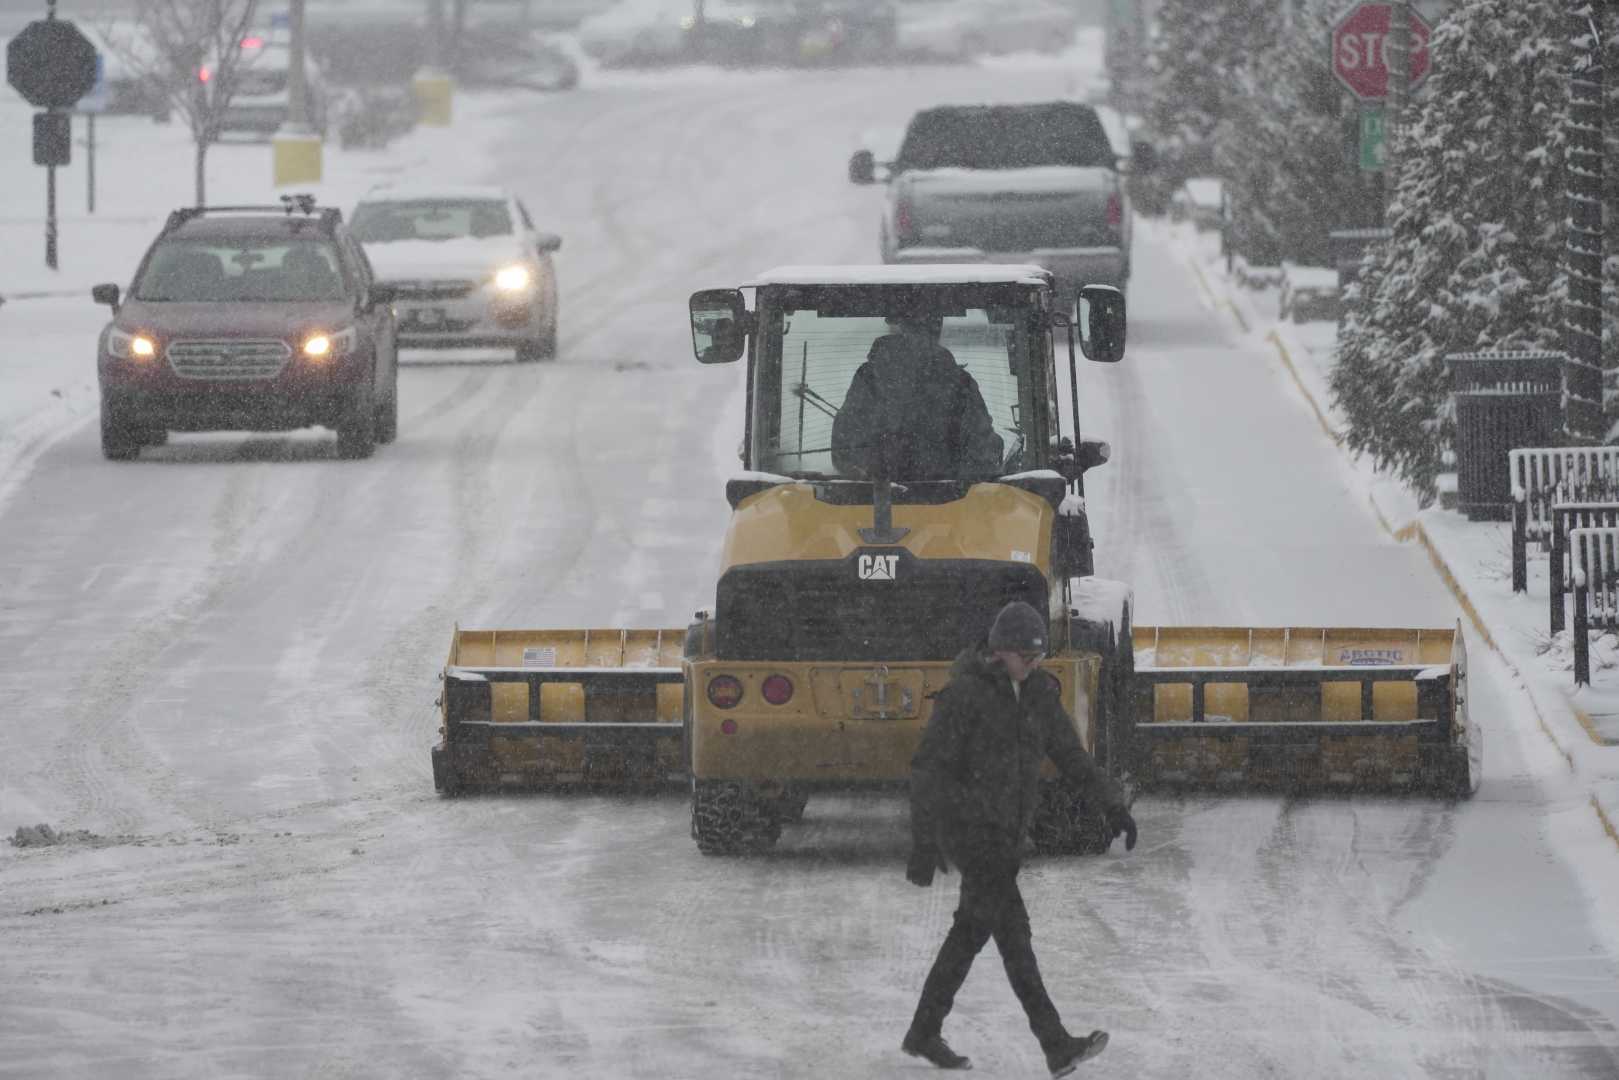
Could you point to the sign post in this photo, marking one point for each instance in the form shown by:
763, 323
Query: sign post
52, 65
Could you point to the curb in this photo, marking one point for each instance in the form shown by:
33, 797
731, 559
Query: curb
1287, 361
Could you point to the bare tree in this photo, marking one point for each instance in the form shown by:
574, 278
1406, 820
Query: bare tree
190, 52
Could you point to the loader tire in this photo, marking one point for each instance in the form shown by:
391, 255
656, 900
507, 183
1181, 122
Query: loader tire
725, 820
1065, 825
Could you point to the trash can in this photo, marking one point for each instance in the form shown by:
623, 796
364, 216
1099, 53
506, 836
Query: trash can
1504, 401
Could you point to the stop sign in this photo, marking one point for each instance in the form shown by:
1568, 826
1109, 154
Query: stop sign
1360, 50
51, 64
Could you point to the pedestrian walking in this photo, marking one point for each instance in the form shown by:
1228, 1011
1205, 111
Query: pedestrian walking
974, 787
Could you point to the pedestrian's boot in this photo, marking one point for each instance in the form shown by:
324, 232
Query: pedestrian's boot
933, 1048
1068, 1054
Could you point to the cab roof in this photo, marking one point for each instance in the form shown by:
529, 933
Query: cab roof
902, 274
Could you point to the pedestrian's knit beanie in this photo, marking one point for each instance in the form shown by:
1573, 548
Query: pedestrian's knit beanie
1018, 628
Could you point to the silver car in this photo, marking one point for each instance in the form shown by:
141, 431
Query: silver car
468, 268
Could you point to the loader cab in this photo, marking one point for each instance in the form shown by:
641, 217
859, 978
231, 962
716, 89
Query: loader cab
982, 402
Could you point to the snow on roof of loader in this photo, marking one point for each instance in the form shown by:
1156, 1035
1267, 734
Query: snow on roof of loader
917, 274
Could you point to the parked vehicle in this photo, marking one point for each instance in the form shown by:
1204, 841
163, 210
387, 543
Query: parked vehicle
638, 32
1032, 183
261, 98
256, 318
131, 79
962, 29
468, 268
1200, 200
1309, 293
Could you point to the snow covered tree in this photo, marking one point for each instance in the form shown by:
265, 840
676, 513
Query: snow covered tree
1476, 260
1282, 151
1197, 47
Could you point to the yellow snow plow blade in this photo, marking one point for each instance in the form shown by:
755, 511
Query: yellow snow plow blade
1302, 709
561, 707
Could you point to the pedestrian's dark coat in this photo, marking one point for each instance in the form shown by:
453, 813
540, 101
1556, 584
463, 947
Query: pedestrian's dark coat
975, 778
917, 393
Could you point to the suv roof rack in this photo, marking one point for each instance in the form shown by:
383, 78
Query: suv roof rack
329, 216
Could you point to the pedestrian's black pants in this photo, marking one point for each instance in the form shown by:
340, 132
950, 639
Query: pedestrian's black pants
991, 907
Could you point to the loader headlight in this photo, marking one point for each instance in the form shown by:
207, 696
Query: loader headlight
320, 346
512, 278
724, 692
130, 346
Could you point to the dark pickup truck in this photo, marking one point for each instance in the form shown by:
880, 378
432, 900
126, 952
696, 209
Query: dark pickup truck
1032, 183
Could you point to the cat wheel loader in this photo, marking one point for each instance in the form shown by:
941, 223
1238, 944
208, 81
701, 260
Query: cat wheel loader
880, 525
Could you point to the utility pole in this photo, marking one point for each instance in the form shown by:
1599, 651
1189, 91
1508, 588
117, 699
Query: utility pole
50, 184
432, 85
1394, 107
296, 147
1582, 311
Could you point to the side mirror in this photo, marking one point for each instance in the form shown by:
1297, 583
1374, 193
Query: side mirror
863, 167
1092, 452
1143, 158
718, 321
1102, 323
547, 242
106, 294
382, 295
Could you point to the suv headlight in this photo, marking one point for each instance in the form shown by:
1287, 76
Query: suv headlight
320, 346
514, 278
130, 346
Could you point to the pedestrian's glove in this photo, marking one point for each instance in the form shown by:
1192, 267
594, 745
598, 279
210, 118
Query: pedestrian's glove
923, 862
1120, 821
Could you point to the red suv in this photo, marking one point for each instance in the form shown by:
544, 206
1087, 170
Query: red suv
256, 318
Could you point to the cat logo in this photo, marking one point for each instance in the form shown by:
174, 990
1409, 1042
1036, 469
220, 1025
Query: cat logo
878, 567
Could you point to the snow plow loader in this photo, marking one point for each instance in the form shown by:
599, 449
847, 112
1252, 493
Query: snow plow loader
908, 474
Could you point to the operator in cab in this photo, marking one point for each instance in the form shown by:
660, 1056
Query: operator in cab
912, 412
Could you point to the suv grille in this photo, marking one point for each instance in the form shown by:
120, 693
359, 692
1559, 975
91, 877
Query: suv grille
434, 290
823, 611
234, 358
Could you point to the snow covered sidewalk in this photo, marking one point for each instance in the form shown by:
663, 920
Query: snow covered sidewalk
1474, 558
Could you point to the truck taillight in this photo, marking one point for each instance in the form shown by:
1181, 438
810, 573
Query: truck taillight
1115, 210
904, 228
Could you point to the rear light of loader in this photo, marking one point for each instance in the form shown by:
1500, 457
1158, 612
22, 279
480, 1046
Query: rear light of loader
778, 689
724, 692
1115, 210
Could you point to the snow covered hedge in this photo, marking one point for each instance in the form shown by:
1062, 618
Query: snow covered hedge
1476, 260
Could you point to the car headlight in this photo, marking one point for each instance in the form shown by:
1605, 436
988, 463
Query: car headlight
130, 346
319, 346
513, 278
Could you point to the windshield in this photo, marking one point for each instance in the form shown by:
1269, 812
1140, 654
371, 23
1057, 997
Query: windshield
236, 269
1006, 137
430, 219
857, 393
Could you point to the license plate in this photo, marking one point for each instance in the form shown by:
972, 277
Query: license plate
425, 318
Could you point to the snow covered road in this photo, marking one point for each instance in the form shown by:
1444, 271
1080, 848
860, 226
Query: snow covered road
219, 666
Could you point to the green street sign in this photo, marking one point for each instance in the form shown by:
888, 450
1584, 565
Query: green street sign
1371, 138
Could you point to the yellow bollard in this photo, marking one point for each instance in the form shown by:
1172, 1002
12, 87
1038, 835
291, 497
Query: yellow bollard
433, 90
296, 156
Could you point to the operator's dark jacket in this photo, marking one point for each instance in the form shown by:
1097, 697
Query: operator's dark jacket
917, 392
975, 778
